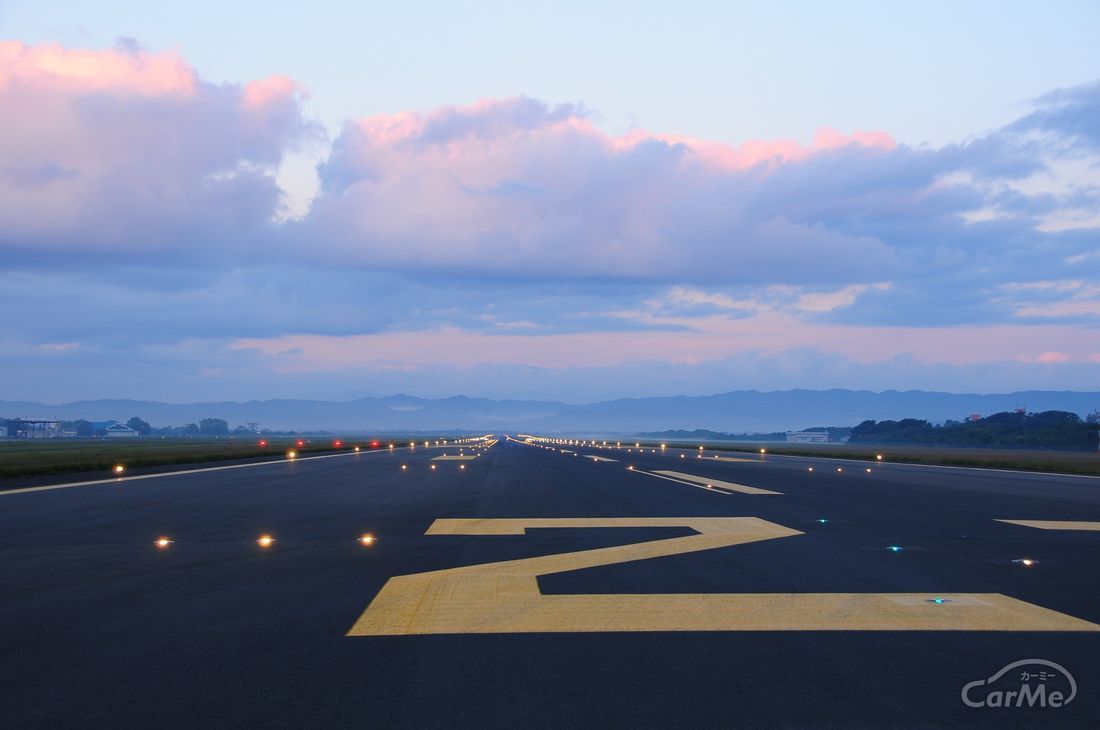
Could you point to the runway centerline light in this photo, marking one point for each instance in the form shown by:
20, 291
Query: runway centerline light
162, 543
810, 469
265, 541
1026, 562
367, 540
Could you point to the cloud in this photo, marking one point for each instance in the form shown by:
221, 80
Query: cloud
128, 152
516, 187
140, 211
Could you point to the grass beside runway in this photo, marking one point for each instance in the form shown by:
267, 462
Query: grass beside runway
1063, 462
24, 458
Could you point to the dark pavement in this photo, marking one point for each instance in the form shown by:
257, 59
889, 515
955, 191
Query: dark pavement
102, 629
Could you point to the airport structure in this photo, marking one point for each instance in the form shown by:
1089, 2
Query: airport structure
120, 431
34, 428
807, 437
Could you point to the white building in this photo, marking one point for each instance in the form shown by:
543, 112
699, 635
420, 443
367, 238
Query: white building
807, 437
120, 431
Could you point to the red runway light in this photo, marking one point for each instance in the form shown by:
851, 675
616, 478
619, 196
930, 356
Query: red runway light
263, 443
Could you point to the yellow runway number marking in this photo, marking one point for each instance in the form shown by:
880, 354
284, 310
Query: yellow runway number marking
504, 597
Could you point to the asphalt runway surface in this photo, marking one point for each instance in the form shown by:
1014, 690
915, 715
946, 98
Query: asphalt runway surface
654, 601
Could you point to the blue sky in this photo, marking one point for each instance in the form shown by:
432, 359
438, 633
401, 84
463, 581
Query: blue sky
573, 202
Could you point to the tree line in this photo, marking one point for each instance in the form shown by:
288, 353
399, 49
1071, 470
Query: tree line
1009, 430
205, 427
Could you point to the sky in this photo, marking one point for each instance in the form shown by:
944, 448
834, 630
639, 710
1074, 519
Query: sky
572, 201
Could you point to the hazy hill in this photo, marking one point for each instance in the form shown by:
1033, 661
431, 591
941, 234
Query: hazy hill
734, 412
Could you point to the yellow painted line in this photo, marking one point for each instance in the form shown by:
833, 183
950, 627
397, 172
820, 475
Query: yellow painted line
138, 477
504, 597
743, 489
454, 457
1056, 524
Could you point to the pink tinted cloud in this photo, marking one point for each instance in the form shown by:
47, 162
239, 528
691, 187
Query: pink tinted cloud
125, 150
515, 186
711, 338
270, 91
122, 71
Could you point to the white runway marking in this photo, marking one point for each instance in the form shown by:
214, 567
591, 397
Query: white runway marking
743, 489
1056, 524
119, 480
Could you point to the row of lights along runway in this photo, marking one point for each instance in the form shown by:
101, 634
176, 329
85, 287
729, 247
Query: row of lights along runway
542, 443
481, 442
267, 541
641, 450
264, 541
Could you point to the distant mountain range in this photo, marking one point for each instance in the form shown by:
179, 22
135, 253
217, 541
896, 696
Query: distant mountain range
739, 411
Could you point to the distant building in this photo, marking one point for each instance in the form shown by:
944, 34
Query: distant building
807, 437
120, 431
34, 428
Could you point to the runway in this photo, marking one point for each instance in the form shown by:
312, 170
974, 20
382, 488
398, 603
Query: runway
549, 585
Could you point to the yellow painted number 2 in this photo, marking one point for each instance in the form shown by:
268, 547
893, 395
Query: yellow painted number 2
504, 597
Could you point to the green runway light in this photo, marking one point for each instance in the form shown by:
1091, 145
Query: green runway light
894, 548
939, 600
823, 520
